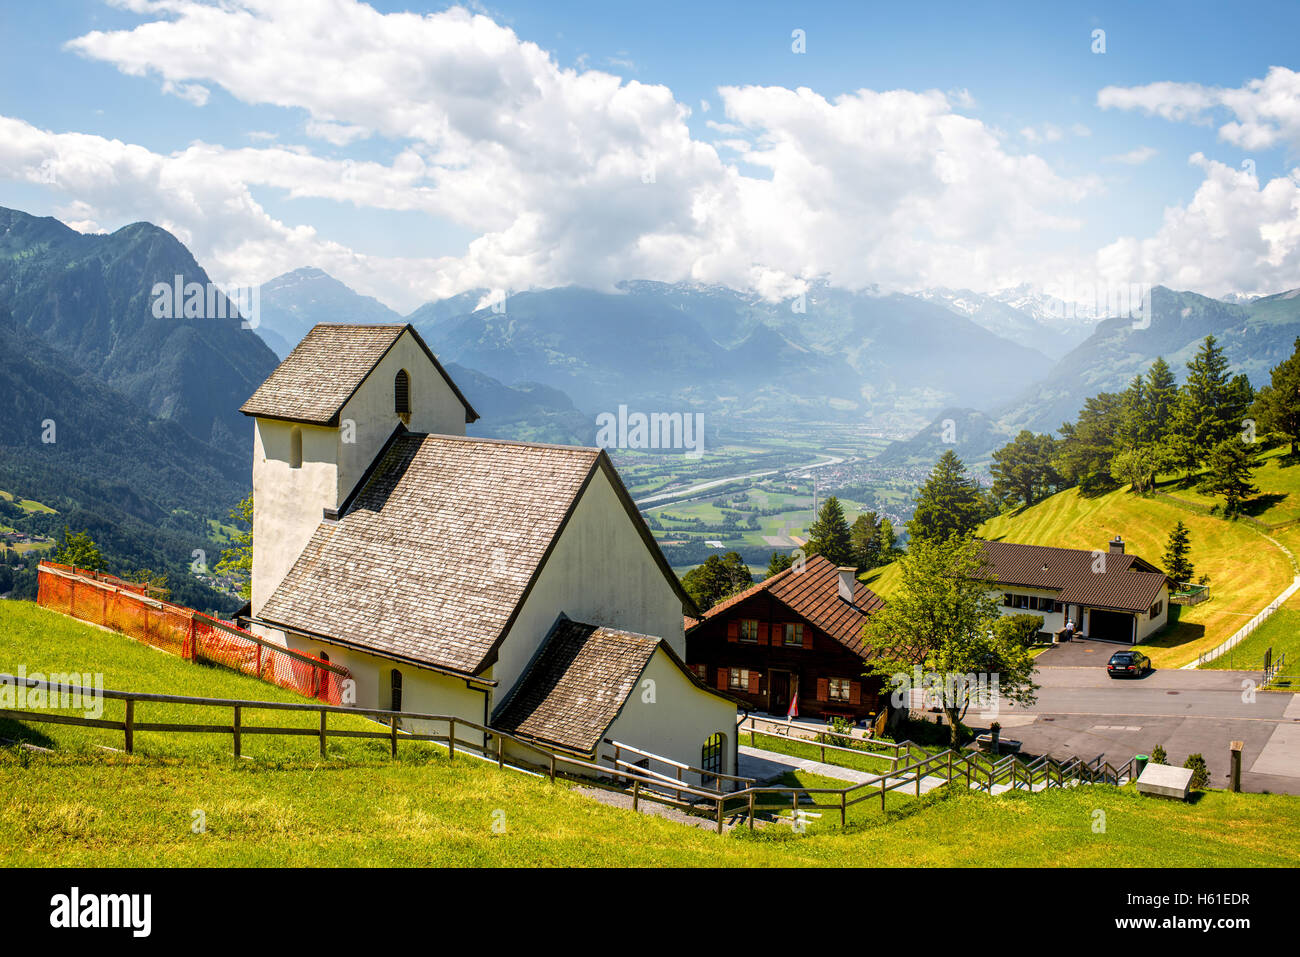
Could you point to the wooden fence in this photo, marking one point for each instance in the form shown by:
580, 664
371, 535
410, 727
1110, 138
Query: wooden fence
971, 769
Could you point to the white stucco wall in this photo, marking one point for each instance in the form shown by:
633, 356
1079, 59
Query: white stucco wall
287, 502
679, 719
423, 691
1147, 625
600, 573
434, 408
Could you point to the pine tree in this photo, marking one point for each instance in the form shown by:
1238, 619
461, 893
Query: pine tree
949, 503
1230, 464
1161, 394
829, 535
1022, 470
1277, 407
864, 541
1209, 406
1178, 565
888, 542
779, 562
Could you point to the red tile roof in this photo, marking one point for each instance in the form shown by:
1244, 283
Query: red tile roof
814, 595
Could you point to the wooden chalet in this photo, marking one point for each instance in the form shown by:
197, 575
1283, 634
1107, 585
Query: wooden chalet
798, 631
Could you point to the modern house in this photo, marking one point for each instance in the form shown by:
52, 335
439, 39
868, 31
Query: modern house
798, 632
1108, 594
509, 583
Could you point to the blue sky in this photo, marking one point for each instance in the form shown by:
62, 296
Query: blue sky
1015, 80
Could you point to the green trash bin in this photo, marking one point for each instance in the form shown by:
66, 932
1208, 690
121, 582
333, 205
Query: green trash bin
1139, 764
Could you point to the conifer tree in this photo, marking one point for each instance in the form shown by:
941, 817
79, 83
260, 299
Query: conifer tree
1178, 564
949, 503
829, 535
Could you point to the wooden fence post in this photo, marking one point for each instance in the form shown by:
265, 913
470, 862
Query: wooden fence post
392, 724
751, 810
236, 729
1236, 764
501, 751
636, 794
451, 739
323, 714
553, 767
130, 726
721, 799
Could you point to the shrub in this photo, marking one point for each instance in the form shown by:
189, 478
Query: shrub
1200, 773
835, 728
1158, 755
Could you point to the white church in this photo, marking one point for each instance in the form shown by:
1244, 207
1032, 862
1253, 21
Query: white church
513, 584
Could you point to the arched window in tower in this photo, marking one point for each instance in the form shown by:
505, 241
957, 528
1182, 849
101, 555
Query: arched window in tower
295, 448
402, 393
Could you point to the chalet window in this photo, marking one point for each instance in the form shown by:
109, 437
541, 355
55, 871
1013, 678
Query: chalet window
1156, 609
794, 634
739, 680
711, 753
1058, 607
396, 686
295, 448
701, 671
402, 393
1007, 599
839, 689
749, 630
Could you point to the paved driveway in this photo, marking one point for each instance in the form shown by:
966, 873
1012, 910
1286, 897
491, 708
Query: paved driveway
1083, 711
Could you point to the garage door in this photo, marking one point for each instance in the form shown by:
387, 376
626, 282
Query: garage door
1111, 626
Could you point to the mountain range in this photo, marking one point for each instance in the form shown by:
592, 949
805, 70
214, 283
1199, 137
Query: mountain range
1256, 334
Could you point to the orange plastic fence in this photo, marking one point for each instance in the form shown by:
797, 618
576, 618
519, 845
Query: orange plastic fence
126, 607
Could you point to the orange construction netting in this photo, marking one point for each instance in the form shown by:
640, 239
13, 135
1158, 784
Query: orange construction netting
128, 608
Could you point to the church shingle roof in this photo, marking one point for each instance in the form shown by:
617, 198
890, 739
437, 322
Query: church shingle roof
326, 368
574, 689
435, 554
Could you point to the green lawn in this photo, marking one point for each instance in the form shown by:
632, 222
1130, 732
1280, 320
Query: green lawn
84, 806
1281, 632
1239, 588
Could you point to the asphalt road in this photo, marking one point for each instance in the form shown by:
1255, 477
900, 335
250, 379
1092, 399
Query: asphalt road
1082, 711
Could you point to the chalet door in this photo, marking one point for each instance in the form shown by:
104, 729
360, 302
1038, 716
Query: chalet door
778, 692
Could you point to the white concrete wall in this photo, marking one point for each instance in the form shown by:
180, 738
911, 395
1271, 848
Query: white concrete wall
600, 573
679, 719
287, 502
434, 408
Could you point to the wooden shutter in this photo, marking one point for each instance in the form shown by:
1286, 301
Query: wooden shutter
733, 630
753, 682
855, 692
762, 632
807, 637
823, 689
724, 679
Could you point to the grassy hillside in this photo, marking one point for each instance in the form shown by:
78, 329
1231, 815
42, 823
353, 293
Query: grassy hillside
81, 805
1246, 570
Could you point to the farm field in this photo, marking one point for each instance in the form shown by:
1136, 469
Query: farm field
80, 805
1246, 571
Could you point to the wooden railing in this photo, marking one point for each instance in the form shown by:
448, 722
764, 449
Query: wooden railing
671, 789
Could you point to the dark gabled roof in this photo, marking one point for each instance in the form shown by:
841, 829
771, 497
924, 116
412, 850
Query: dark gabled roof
1126, 583
436, 553
814, 595
576, 686
325, 370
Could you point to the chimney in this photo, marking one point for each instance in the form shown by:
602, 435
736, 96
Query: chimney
1117, 546
848, 579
